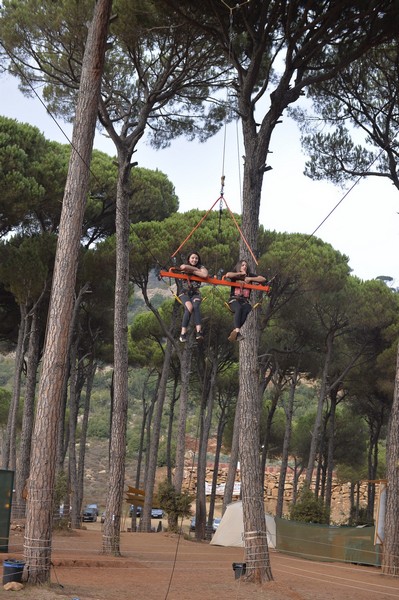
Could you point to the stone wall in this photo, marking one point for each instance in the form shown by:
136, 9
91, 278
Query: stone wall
340, 502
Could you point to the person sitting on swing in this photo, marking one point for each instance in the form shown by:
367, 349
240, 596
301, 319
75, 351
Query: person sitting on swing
239, 297
190, 295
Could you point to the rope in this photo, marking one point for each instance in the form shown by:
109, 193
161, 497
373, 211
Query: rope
346, 194
195, 228
221, 199
240, 232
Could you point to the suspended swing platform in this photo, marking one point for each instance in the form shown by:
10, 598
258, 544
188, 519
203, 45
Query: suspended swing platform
214, 281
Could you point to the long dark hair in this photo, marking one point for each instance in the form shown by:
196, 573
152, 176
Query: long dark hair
196, 254
238, 265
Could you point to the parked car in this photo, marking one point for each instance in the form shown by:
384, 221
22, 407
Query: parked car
89, 514
215, 524
94, 507
156, 513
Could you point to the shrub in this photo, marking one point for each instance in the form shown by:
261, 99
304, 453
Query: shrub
175, 504
309, 509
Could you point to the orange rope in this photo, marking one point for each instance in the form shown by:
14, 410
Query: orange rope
195, 228
221, 197
240, 232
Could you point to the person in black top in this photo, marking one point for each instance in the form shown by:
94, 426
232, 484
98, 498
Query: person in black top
240, 296
190, 295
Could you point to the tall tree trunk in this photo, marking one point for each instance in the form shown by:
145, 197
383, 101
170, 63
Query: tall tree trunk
146, 419
38, 535
145, 424
10, 451
298, 470
390, 558
171, 418
289, 411
372, 460
185, 363
315, 441
208, 398
234, 455
321, 459
63, 431
28, 411
352, 503
73, 419
156, 432
90, 373
278, 386
219, 440
330, 452
255, 537
112, 524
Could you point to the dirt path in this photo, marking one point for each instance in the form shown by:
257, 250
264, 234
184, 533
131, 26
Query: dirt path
161, 566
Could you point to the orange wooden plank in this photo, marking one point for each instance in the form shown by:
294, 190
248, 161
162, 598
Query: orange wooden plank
214, 281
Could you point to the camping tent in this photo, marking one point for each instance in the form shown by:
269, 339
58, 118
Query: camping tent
231, 528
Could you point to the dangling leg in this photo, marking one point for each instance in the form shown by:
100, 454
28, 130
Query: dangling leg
245, 310
236, 308
188, 309
241, 311
197, 316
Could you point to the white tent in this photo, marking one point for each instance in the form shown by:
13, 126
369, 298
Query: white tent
231, 528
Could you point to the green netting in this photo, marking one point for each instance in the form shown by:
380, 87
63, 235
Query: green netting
325, 543
6, 484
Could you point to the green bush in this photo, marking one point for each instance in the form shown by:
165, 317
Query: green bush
98, 426
309, 509
176, 504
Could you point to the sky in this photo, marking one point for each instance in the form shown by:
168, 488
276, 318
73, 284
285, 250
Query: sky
364, 226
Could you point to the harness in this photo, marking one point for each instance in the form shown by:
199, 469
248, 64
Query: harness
240, 293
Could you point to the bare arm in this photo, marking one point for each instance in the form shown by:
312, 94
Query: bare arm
202, 272
247, 279
256, 279
233, 275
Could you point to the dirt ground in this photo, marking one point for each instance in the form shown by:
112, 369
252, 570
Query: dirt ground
162, 566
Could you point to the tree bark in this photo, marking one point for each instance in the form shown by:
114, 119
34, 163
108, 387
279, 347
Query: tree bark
219, 442
38, 535
255, 537
111, 530
90, 373
208, 398
289, 412
315, 441
156, 432
185, 369
73, 419
330, 451
10, 451
234, 454
171, 420
390, 559
28, 412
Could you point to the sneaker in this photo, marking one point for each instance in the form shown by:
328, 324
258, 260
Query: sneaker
233, 336
239, 337
183, 337
199, 335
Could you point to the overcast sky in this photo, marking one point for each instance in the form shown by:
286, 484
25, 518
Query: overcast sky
365, 226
